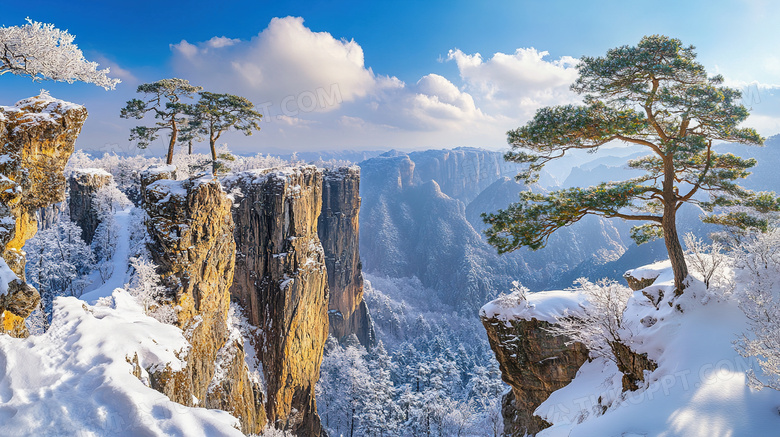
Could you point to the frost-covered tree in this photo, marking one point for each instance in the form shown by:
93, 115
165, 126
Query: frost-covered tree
164, 99
380, 415
599, 324
759, 258
654, 95
145, 284
707, 260
43, 52
215, 114
58, 263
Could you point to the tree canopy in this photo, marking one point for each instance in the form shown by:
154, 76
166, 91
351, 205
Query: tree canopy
215, 114
653, 95
42, 51
163, 99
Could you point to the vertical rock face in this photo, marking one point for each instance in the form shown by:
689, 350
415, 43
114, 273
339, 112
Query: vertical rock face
83, 184
338, 230
281, 280
191, 230
37, 137
534, 363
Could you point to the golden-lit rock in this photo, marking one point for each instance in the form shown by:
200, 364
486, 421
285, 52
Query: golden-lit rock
339, 232
191, 230
37, 137
534, 363
281, 280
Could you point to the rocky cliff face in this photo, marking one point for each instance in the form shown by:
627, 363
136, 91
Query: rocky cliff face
191, 230
534, 363
338, 229
82, 186
281, 280
37, 136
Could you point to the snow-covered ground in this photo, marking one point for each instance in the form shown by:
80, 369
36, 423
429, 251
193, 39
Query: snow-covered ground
76, 379
120, 262
699, 388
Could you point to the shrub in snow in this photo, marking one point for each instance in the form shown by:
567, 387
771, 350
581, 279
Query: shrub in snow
270, 431
759, 258
600, 323
709, 261
146, 286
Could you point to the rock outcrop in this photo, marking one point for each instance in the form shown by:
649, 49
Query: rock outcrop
338, 230
37, 137
82, 186
191, 231
281, 280
534, 363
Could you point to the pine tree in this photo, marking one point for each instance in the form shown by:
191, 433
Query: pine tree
654, 95
163, 99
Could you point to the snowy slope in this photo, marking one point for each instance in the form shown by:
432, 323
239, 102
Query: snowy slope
76, 379
699, 387
120, 261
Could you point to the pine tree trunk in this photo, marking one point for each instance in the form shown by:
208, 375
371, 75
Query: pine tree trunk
213, 157
674, 249
174, 134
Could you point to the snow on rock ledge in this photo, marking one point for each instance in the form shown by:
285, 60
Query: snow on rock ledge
544, 306
533, 362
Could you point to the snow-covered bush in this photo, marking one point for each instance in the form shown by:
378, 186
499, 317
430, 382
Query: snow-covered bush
759, 258
709, 261
146, 286
41, 51
270, 431
600, 322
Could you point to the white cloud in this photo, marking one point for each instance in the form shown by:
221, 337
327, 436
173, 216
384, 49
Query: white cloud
286, 59
316, 89
522, 81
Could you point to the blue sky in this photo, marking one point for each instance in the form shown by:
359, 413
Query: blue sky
381, 74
